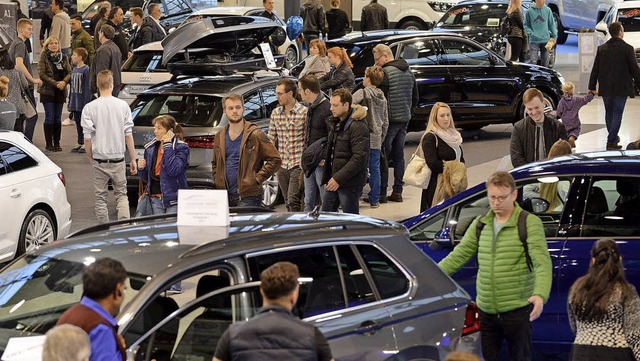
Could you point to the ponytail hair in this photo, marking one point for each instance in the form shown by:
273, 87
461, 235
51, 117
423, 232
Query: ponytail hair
169, 123
341, 54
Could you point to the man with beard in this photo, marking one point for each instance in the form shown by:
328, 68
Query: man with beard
240, 149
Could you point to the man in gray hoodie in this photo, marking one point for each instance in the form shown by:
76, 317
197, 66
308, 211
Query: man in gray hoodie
313, 21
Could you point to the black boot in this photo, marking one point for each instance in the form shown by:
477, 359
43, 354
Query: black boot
57, 131
48, 138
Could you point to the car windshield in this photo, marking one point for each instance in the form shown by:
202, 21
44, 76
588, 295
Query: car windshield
144, 61
190, 110
630, 19
474, 15
36, 290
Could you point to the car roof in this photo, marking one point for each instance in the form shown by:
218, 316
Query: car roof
620, 162
148, 245
219, 85
226, 10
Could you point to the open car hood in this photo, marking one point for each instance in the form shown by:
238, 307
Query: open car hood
233, 35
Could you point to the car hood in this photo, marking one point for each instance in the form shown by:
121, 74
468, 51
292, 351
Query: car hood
231, 35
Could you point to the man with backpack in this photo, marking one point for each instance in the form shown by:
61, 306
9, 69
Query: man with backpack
514, 270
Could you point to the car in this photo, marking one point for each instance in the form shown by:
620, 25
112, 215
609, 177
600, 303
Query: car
599, 193
289, 47
480, 20
480, 87
220, 62
35, 210
628, 13
574, 15
405, 14
372, 293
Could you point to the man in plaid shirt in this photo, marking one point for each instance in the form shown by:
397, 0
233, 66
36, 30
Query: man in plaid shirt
286, 130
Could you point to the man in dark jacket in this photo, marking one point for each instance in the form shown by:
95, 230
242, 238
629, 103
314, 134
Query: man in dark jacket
116, 17
313, 21
80, 38
533, 136
374, 17
316, 129
151, 29
614, 69
401, 91
107, 58
347, 154
137, 20
282, 335
45, 24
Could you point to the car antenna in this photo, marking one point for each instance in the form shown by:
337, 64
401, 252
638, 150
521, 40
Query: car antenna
315, 213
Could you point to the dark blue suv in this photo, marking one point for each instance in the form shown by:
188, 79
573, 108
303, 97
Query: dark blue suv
600, 197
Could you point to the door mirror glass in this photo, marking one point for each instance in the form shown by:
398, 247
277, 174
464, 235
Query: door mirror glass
442, 240
535, 205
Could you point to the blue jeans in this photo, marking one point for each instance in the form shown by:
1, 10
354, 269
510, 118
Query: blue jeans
77, 116
613, 109
313, 189
544, 53
393, 147
253, 201
158, 206
348, 198
52, 113
374, 176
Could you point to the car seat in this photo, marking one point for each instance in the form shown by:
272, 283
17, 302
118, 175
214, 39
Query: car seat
629, 202
597, 204
164, 339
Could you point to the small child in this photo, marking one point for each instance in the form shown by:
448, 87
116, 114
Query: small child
378, 120
568, 110
80, 94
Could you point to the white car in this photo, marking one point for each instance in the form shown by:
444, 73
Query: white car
628, 13
142, 70
34, 210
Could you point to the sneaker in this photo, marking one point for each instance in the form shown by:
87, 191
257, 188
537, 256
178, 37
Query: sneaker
82, 150
614, 147
76, 149
395, 197
375, 205
68, 122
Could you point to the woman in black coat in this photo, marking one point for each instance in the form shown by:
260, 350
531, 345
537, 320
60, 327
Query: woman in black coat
338, 21
441, 142
341, 76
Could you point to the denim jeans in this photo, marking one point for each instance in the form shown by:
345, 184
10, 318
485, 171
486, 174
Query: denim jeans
348, 198
374, 176
289, 182
102, 173
393, 147
513, 326
52, 113
613, 109
313, 189
157, 206
252, 201
30, 127
534, 48
77, 116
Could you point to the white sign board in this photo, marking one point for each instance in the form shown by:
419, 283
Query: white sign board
24, 349
203, 207
268, 56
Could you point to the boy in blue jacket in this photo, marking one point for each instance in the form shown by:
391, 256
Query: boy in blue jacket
80, 94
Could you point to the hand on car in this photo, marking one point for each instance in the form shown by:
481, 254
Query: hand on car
538, 305
332, 185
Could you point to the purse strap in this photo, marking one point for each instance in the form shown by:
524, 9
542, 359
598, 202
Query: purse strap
141, 188
419, 151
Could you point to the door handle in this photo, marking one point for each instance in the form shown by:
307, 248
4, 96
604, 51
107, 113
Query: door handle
15, 193
367, 328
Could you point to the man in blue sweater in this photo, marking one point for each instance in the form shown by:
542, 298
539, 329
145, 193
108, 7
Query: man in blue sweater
540, 27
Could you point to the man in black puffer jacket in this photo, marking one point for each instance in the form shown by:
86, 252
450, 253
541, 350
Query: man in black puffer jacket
347, 154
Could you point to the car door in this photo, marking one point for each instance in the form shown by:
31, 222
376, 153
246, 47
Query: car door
482, 86
339, 299
431, 73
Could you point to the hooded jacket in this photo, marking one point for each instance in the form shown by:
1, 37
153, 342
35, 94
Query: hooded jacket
313, 17
259, 160
348, 149
523, 139
568, 109
173, 168
400, 88
340, 77
377, 115
316, 65
539, 24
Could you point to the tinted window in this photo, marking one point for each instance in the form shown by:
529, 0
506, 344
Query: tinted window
253, 106
15, 158
458, 52
428, 229
420, 52
189, 110
474, 15
147, 62
269, 98
389, 280
630, 19
355, 282
174, 7
613, 208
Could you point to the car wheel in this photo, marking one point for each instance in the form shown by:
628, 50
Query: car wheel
562, 35
413, 25
292, 55
37, 229
270, 191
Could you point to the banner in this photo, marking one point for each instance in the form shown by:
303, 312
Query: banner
7, 24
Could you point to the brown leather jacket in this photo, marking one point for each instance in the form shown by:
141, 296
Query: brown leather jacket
259, 160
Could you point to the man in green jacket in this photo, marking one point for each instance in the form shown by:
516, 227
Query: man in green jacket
80, 38
510, 295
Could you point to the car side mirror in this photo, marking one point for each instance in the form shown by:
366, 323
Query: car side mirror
279, 37
602, 27
442, 240
132, 352
535, 205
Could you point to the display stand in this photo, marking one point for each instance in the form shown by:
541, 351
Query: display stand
587, 48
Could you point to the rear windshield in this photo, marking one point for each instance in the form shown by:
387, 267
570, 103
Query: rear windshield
474, 15
148, 61
630, 19
189, 110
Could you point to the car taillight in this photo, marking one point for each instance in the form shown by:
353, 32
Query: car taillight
61, 176
204, 141
471, 320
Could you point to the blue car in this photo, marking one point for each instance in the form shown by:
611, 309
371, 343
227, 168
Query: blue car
597, 195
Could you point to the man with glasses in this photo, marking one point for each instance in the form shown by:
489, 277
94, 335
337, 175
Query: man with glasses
514, 275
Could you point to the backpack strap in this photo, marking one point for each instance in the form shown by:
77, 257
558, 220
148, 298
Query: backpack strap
522, 234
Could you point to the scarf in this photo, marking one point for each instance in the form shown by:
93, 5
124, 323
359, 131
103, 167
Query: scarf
453, 139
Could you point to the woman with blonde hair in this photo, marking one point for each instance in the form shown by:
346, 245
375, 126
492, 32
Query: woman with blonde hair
440, 143
317, 63
7, 109
516, 37
550, 191
55, 73
341, 76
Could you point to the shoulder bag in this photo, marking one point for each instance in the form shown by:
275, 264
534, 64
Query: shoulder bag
144, 202
417, 173
29, 108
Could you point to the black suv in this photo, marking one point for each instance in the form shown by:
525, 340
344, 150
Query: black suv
477, 83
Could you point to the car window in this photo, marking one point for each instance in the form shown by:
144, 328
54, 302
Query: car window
420, 52
150, 61
426, 231
608, 18
253, 106
269, 98
460, 52
15, 158
613, 208
630, 19
3, 167
173, 7
389, 279
474, 15
189, 110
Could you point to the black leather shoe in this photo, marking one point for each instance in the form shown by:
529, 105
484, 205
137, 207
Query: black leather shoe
395, 197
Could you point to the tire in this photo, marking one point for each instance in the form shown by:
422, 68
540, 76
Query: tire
270, 192
37, 229
413, 25
562, 35
292, 56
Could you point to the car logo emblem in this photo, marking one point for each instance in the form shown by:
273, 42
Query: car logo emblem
145, 79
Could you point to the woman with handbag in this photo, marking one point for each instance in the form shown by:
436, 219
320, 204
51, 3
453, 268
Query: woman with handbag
17, 85
441, 143
55, 73
516, 36
164, 166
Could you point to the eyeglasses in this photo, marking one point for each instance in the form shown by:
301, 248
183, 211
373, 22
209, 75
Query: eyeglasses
499, 199
378, 58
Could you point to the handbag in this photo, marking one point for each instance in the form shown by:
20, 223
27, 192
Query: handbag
29, 108
144, 202
417, 172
